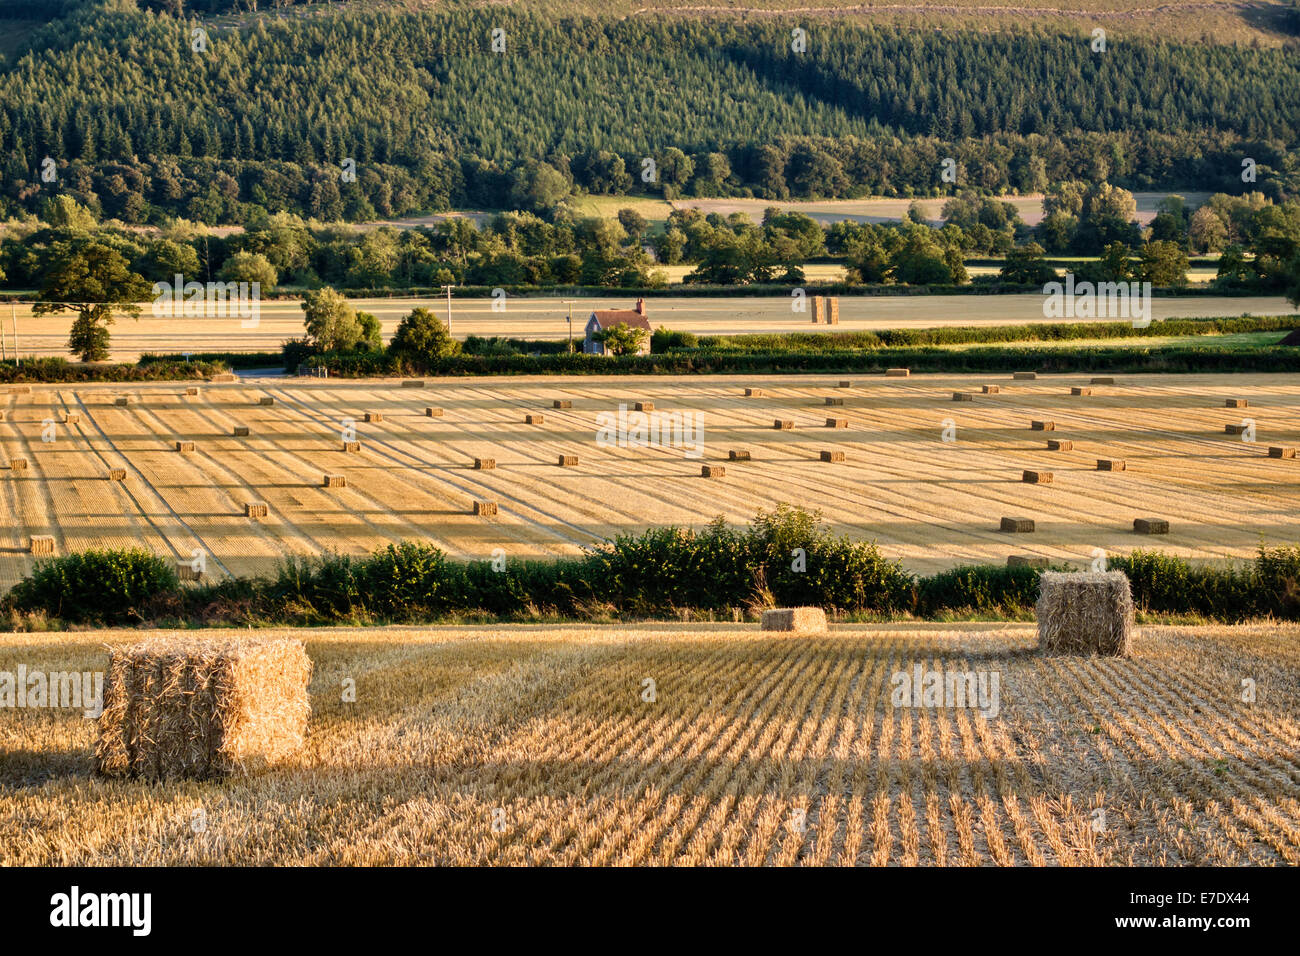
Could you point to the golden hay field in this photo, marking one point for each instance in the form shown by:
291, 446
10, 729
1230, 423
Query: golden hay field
930, 503
547, 318
926, 501
545, 733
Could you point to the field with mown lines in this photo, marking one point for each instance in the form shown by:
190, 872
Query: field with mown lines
549, 726
545, 318
929, 503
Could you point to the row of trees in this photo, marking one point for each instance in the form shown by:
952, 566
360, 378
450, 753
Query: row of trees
138, 125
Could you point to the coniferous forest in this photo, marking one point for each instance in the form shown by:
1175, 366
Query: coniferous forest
137, 124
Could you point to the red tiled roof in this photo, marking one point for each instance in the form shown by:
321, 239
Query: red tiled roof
608, 318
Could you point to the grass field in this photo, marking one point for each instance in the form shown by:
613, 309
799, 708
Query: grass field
546, 318
536, 746
930, 503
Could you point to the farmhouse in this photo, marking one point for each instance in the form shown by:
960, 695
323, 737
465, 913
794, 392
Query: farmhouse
603, 319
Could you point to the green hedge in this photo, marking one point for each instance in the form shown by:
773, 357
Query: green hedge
703, 361
61, 370
785, 557
95, 587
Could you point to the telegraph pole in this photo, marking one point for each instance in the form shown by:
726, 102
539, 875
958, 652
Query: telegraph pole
569, 303
449, 288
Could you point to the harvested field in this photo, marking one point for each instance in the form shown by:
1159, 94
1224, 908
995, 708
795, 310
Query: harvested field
932, 504
549, 727
545, 318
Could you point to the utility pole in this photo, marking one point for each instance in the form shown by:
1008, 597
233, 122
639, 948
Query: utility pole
569, 303
449, 288
13, 319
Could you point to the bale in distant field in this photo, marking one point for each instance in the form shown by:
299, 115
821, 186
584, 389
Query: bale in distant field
645, 406
834, 401
1027, 561
1080, 390
225, 377
72, 418
1150, 525
738, 454
712, 471
242, 431
266, 400
1024, 376
783, 424
117, 474
485, 508
1103, 380
800, 620
121, 401
566, 460
534, 419
1018, 525
831, 456
192, 391
433, 412
184, 447
484, 464
413, 383
2, 416
845, 385
1085, 613
20, 390
202, 708
1237, 403
334, 481
186, 571
1281, 451
17, 464
41, 544
837, 423
1036, 477
1060, 444
753, 393
898, 372
352, 446
1235, 429
991, 389
374, 416
1112, 464
963, 396
255, 509
561, 403
1042, 426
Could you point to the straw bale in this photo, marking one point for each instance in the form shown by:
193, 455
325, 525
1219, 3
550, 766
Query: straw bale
202, 709
1087, 613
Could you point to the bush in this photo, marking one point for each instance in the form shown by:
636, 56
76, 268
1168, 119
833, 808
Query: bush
107, 586
665, 340
980, 588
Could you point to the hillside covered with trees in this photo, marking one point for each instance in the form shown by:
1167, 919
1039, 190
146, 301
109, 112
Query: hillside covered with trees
138, 125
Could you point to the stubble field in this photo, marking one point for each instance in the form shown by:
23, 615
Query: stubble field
929, 502
546, 318
539, 746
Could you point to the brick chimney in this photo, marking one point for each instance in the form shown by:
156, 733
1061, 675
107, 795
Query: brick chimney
640, 306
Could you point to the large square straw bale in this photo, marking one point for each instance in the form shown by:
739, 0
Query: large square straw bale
801, 620
1088, 613
202, 708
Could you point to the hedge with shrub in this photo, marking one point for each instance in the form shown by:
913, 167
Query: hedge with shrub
782, 558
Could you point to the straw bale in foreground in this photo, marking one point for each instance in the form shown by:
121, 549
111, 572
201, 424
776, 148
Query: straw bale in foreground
202, 708
1086, 612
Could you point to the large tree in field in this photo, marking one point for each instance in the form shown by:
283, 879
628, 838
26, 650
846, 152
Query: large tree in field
94, 281
331, 323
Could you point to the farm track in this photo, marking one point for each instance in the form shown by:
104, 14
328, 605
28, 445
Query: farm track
756, 750
927, 503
